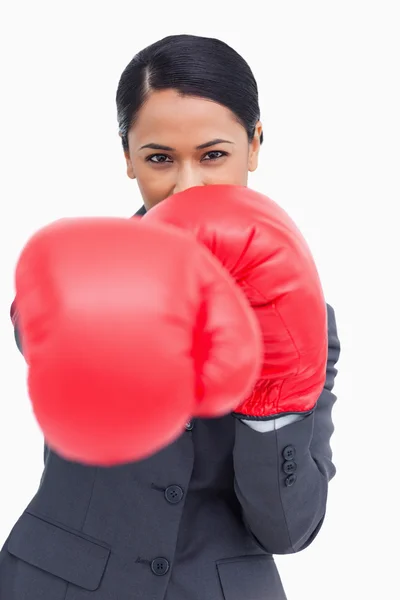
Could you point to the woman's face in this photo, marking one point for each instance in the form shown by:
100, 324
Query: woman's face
180, 142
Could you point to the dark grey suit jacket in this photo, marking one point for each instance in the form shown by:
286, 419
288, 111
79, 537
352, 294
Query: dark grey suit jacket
199, 520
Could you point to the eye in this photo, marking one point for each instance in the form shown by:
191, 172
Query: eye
214, 155
158, 158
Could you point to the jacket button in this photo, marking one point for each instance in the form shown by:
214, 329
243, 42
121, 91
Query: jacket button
289, 467
289, 453
290, 480
174, 494
189, 426
160, 566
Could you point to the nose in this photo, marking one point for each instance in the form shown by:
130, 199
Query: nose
188, 177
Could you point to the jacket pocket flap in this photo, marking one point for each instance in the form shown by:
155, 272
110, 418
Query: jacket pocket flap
68, 555
250, 577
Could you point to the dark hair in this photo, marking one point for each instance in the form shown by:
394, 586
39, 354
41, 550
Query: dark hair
194, 66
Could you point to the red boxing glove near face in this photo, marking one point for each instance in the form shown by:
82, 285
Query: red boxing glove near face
127, 327
265, 253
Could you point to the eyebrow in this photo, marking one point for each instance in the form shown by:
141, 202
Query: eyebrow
153, 146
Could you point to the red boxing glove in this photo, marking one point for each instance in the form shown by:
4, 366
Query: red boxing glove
265, 253
126, 327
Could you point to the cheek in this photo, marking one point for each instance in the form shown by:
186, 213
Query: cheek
154, 184
234, 171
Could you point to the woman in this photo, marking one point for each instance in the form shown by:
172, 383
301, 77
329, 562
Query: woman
202, 518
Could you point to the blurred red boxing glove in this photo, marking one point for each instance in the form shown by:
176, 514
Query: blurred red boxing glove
126, 327
265, 253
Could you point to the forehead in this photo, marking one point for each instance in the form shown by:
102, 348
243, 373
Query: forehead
166, 114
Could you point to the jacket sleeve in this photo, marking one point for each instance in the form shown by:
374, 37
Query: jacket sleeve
282, 476
14, 319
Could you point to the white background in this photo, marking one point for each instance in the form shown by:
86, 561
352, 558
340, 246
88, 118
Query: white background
327, 74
